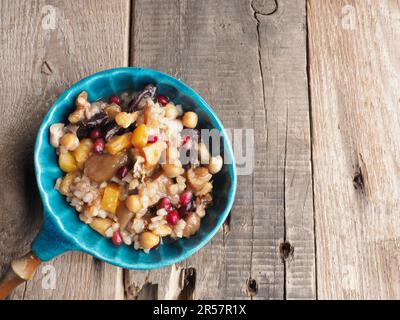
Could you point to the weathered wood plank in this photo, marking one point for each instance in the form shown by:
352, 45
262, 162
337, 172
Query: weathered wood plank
39, 60
227, 50
283, 48
355, 76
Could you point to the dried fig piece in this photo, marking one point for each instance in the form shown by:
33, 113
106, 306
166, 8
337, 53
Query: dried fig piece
102, 167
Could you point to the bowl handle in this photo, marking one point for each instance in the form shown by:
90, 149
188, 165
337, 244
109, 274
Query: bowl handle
48, 244
21, 270
51, 242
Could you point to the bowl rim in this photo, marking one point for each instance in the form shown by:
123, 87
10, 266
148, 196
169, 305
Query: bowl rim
49, 213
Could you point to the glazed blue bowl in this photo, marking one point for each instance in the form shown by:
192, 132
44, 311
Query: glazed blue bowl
63, 231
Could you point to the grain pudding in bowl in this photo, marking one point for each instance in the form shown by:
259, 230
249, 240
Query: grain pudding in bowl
136, 170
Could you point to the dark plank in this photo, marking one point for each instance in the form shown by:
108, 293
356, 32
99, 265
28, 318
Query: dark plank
233, 53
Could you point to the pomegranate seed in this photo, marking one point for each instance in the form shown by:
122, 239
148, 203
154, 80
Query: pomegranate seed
116, 238
152, 139
98, 145
115, 99
185, 198
163, 100
122, 172
173, 217
165, 203
95, 134
185, 140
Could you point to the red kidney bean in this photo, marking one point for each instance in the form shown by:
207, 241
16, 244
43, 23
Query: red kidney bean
122, 172
163, 100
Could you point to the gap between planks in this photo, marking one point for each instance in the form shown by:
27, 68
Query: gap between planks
311, 146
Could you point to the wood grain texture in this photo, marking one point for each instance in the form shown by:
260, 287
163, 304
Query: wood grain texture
235, 54
288, 181
38, 62
355, 77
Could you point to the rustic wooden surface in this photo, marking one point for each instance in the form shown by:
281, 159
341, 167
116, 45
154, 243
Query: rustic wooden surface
37, 65
249, 59
242, 58
355, 99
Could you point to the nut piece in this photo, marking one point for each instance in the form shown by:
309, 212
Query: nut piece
56, 132
206, 189
81, 101
76, 116
66, 182
148, 240
190, 119
215, 164
173, 170
69, 141
198, 177
81, 105
112, 110
192, 224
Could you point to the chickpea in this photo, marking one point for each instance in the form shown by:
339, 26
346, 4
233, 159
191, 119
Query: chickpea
173, 170
215, 164
149, 240
171, 112
190, 120
133, 203
69, 141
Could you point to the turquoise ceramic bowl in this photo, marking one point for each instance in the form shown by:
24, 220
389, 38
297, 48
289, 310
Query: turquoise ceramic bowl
62, 230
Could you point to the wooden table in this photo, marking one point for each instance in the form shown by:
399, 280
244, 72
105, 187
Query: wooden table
317, 80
